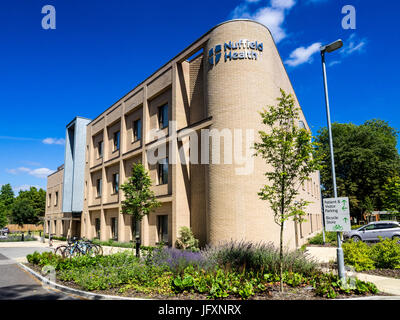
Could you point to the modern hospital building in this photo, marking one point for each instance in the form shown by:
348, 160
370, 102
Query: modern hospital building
218, 84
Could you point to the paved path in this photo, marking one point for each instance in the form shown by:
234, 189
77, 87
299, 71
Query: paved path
384, 284
17, 284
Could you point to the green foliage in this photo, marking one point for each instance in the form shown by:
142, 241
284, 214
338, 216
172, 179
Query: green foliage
186, 240
330, 286
386, 253
246, 256
391, 194
330, 237
383, 254
366, 156
358, 254
3, 215
139, 198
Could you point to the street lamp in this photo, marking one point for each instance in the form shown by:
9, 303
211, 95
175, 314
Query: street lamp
329, 48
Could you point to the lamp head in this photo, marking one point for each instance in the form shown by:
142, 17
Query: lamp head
332, 46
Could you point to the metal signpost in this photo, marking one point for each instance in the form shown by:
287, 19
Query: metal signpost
330, 48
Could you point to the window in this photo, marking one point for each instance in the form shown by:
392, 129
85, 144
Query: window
97, 227
56, 199
135, 228
98, 187
162, 228
163, 116
49, 203
137, 130
116, 140
114, 228
163, 171
115, 183
100, 148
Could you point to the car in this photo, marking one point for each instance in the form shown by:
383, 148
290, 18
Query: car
373, 230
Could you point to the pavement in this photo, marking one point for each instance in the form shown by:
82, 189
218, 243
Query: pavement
387, 285
18, 284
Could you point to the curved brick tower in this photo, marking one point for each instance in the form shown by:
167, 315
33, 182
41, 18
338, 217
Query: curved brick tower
244, 73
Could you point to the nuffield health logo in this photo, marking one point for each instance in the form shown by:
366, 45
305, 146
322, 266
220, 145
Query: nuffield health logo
239, 50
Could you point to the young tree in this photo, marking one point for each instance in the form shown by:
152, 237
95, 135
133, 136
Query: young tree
139, 198
391, 194
289, 152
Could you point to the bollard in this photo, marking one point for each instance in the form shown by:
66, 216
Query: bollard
22, 237
137, 246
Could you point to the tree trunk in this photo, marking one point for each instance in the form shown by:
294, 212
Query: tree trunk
281, 258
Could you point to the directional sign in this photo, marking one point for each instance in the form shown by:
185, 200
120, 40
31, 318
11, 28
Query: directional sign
337, 214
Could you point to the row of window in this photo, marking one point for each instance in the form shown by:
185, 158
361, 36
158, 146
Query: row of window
162, 228
55, 200
136, 129
162, 173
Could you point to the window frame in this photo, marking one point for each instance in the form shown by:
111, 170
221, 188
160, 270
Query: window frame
99, 187
115, 183
162, 116
161, 223
136, 130
160, 171
117, 140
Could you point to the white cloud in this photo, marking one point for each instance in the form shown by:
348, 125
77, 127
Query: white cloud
283, 4
41, 173
53, 141
334, 62
303, 55
353, 45
272, 16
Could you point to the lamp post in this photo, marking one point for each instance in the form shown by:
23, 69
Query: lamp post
329, 48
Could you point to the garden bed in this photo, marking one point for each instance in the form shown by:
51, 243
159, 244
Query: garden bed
234, 271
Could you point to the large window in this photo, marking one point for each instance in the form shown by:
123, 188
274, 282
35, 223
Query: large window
98, 187
49, 203
137, 130
115, 182
56, 200
100, 148
162, 228
116, 140
114, 228
163, 116
163, 171
97, 227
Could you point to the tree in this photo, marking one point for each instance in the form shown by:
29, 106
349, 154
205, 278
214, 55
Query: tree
391, 194
365, 157
139, 198
37, 199
7, 198
23, 212
288, 151
3, 216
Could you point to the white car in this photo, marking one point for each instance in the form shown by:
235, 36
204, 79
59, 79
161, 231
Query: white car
373, 230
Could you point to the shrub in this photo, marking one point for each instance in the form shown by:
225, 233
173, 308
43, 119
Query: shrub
177, 260
330, 286
187, 241
386, 253
330, 237
358, 254
262, 257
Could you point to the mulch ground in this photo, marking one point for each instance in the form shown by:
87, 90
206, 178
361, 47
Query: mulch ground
391, 273
273, 292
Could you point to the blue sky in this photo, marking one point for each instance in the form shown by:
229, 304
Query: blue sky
100, 50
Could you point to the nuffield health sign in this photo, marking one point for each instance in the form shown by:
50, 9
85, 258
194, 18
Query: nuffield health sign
235, 50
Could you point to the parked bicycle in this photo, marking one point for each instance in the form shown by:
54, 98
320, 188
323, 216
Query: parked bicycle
78, 247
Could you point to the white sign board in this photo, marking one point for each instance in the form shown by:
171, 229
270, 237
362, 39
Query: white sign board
337, 214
